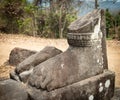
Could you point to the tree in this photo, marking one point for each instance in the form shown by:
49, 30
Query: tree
113, 25
96, 4
62, 8
48, 18
56, 17
11, 11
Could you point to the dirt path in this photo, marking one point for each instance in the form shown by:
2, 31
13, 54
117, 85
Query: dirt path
113, 50
8, 42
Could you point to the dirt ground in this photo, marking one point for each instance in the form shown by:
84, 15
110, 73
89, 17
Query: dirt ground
8, 42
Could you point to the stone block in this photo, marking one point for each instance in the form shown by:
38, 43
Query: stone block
99, 87
17, 55
12, 90
25, 68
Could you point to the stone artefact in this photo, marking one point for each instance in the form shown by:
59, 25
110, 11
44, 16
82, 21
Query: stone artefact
12, 90
116, 94
14, 76
36, 59
83, 58
17, 55
99, 87
25, 68
65, 69
89, 31
79, 73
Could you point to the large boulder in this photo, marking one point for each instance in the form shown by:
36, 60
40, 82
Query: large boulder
99, 87
116, 94
12, 90
17, 55
36, 59
69, 67
83, 59
89, 30
14, 76
25, 68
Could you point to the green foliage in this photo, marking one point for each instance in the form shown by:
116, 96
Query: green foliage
52, 25
44, 18
30, 9
11, 11
112, 25
108, 19
52, 21
24, 25
117, 18
49, 24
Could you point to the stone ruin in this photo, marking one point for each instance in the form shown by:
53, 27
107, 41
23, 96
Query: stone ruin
79, 73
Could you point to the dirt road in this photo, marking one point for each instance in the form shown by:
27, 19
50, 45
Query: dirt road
8, 42
113, 50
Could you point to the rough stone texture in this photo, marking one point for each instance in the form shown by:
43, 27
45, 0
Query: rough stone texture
69, 67
77, 62
25, 75
79, 40
12, 90
79, 73
17, 55
99, 87
89, 30
104, 49
116, 94
86, 23
25, 68
14, 76
34, 60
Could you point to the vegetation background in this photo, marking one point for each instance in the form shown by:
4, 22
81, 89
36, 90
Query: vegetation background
47, 18
44, 18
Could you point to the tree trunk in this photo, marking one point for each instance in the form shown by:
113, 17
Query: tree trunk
35, 26
116, 31
60, 24
96, 4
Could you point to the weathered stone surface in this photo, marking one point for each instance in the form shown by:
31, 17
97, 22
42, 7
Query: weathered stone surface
17, 55
79, 40
77, 62
89, 30
86, 23
12, 90
116, 94
25, 68
72, 66
79, 73
104, 49
34, 60
99, 87
14, 76
25, 75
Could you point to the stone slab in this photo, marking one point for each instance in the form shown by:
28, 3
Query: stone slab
17, 55
99, 87
12, 90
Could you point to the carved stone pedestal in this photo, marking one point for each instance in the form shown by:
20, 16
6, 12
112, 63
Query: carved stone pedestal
99, 87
